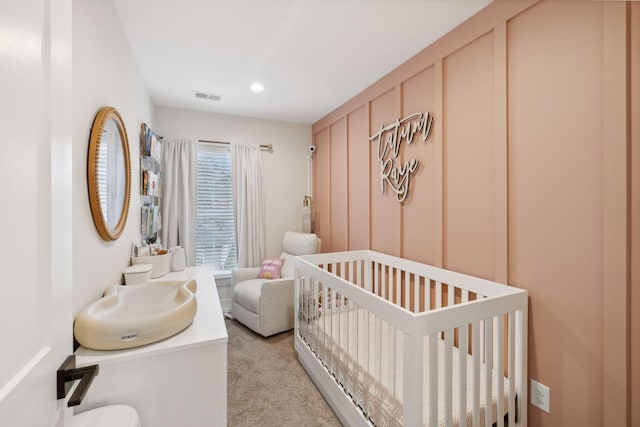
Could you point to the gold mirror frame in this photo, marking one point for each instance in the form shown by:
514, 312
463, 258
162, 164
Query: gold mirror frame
102, 118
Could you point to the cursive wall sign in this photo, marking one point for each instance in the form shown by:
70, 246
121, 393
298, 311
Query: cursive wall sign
398, 176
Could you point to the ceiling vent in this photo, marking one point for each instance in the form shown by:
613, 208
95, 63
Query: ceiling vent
208, 96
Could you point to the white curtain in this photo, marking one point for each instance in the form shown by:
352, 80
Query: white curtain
248, 197
180, 167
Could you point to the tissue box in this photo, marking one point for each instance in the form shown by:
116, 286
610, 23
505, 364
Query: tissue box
161, 264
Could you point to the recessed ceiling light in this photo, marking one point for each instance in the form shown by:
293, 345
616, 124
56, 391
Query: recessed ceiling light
257, 87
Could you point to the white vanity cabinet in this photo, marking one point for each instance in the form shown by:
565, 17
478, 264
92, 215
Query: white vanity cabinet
180, 381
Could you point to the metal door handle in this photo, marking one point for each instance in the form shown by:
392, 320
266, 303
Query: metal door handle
68, 373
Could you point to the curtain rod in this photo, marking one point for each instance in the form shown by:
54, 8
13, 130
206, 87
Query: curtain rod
266, 147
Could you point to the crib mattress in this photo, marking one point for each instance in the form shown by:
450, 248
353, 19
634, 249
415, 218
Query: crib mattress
364, 354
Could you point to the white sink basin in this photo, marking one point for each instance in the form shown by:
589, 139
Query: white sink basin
135, 315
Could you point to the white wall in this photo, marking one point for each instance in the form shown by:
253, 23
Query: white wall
104, 73
285, 169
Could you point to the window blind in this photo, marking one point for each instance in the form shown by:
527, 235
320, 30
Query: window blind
215, 240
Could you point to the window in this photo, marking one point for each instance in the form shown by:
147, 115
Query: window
215, 241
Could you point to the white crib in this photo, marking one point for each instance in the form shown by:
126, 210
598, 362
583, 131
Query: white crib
389, 341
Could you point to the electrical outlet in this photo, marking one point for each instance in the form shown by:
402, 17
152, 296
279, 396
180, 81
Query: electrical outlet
540, 395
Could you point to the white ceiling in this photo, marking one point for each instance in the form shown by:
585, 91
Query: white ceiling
310, 55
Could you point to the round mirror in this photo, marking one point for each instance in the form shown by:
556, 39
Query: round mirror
109, 173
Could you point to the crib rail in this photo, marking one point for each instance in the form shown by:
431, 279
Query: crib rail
379, 325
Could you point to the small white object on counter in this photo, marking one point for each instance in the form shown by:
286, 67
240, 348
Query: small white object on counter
137, 274
178, 258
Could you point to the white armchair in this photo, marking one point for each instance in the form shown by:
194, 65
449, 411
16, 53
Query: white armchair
266, 305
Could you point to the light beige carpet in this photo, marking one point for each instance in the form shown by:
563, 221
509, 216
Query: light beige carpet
267, 386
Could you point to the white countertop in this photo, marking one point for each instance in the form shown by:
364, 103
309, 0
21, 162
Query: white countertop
207, 328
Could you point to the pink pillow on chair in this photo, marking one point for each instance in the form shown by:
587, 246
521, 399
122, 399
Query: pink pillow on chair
271, 268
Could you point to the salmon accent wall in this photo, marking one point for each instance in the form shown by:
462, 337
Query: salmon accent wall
531, 177
358, 179
339, 210
418, 214
555, 199
384, 215
467, 144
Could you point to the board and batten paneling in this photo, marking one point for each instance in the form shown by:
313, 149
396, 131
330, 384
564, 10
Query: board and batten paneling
419, 210
529, 178
555, 198
468, 158
358, 171
385, 211
339, 209
322, 187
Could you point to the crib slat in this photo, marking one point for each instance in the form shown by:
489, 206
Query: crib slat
369, 350
408, 294
316, 325
433, 379
499, 368
368, 270
511, 326
475, 347
349, 337
325, 307
393, 360
488, 337
356, 363
327, 330
372, 343
463, 336
308, 285
338, 301
304, 295
330, 349
376, 278
390, 282
451, 295
521, 361
313, 290
482, 359
378, 325
438, 295
448, 375
351, 277
412, 392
